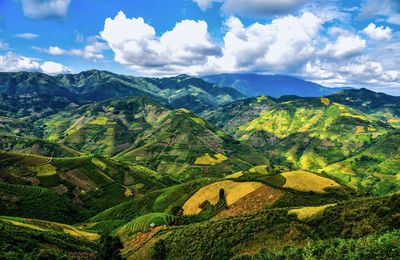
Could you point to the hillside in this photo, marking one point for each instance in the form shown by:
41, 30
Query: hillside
37, 95
375, 170
77, 187
185, 146
104, 128
306, 133
381, 105
270, 85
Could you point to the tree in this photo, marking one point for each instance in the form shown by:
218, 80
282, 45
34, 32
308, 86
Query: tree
110, 248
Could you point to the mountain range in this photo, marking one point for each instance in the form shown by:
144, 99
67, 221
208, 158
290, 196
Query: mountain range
253, 85
107, 166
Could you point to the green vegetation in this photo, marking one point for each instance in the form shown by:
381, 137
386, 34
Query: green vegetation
106, 166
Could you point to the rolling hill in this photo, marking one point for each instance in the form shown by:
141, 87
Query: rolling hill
270, 85
381, 105
37, 95
104, 128
185, 146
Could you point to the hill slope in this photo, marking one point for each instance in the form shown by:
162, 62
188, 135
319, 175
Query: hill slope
104, 128
182, 142
381, 105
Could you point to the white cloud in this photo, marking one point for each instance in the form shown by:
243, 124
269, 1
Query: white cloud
90, 51
28, 36
53, 68
279, 45
40, 9
135, 44
389, 9
378, 33
346, 45
254, 7
12, 62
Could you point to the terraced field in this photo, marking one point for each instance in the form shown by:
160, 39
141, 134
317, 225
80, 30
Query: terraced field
144, 223
305, 213
24, 191
234, 191
307, 181
48, 226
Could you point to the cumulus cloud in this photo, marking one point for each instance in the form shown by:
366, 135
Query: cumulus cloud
28, 36
378, 33
135, 44
12, 62
389, 9
279, 45
41, 9
346, 45
90, 51
52, 68
356, 71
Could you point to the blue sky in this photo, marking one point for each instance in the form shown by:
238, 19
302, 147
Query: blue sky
335, 43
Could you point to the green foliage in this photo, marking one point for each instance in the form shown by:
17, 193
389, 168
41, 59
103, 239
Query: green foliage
109, 248
384, 246
25, 243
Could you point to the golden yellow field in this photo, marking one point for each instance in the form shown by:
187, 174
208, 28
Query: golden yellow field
46, 227
360, 129
325, 101
309, 212
234, 175
208, 160
46, 170
101, 120
233, 192
307, 181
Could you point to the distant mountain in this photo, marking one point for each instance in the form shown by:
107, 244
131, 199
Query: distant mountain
271, 85
37, 94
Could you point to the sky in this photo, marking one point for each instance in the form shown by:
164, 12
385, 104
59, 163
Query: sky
335, 43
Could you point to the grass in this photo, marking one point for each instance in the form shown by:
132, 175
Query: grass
307, 181
305, 213
206, 159
101, 120
24, 191
46, 170
233, 192
48, 226
143, 224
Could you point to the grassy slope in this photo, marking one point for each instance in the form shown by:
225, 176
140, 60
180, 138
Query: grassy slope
275, 229
176, 145
104, 128
92, 182
375, 170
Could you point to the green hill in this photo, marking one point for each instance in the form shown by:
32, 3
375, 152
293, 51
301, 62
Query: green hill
306, 133
184, 146
381, 105
94, 183
104, 128
375, 170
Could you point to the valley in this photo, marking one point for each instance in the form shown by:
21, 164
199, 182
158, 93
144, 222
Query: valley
102, 165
